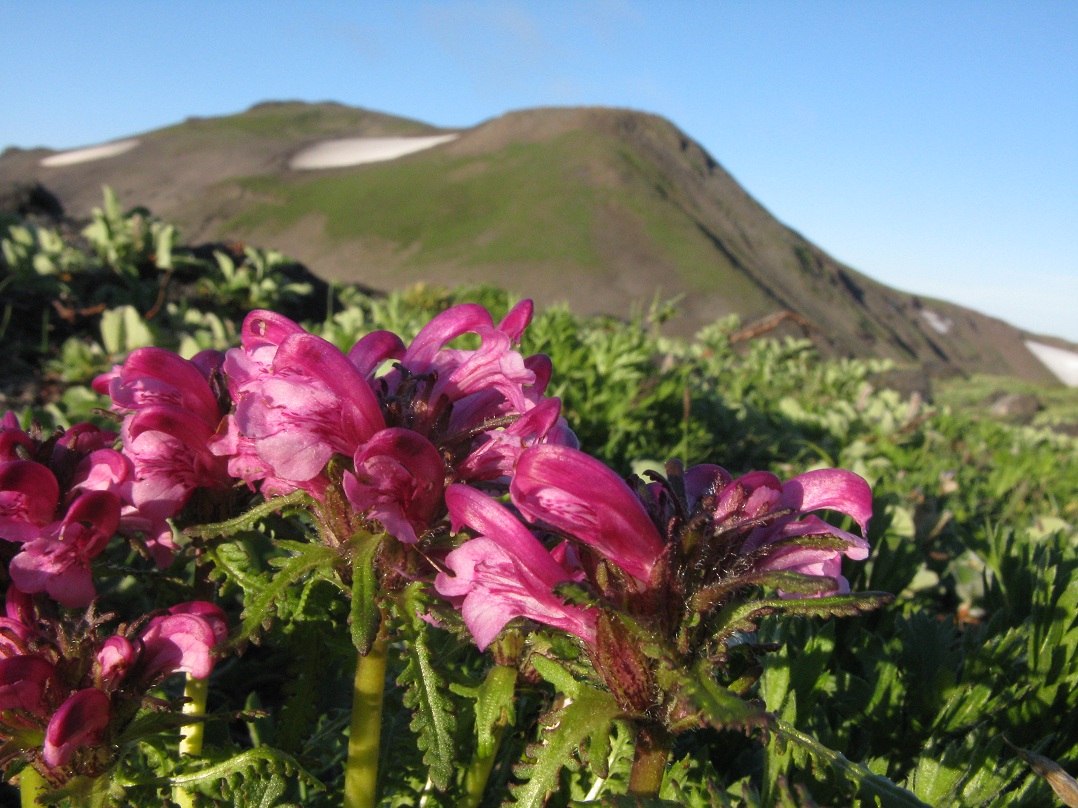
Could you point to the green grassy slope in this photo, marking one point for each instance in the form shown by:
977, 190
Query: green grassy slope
602, 208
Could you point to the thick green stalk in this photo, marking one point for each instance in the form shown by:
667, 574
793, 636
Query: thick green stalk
31, 786
191, 735
361, 770
653, 744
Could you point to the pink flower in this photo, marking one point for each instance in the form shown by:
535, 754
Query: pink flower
775, 543
24, 681
81, 721
29, 495
496, 456
152, 377
58, 561
181, 641
505, 573
399, 479
299, 401
113, 660
171, 414
564, 489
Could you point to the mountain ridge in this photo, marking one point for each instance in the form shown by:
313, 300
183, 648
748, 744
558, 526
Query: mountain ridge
604, 208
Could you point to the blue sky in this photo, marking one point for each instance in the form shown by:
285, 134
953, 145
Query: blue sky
930, 145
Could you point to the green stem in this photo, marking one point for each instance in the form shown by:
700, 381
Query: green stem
31, 786
191, 735
361, 770
475, 779
502, 679
653, 744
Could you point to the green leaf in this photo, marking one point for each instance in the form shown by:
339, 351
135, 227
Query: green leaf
704, 702
867, 782
257, 777
495, 702
123, 330
744, 617
364, 614
258, 609
433, 720
585, 717
248, 520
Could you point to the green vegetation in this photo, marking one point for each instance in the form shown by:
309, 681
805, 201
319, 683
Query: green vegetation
290, 120
974, 529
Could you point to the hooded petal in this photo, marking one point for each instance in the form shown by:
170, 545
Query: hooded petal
374, 349
577, 495
505, 573
29, 495
441, 330
177, 643
81, 721
518, 318
833, 489
399, 479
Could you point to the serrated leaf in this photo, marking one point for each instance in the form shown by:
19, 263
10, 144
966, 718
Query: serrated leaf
744, 617
495, 701
712, 704
586, 716
867, 782
425, 692
246, 778
364, 613
248, 520
258, 610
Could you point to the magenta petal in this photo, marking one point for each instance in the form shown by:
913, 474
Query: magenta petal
505, 573
704, 480
489, 518
375, 348
29, 495
518, 318
322, 360
497, 455
23, 680
542, 366
262, 327
580, 497
399, 478
80, 721
152, 376
114, 658
441, 330
177, 643
833, 489
213, 615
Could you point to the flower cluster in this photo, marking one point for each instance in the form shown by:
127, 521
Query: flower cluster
438, 414
667, 555
66, 689
62, 499
64, 692
429, 462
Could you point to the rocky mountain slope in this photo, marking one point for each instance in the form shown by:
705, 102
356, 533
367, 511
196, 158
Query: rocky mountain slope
602, 208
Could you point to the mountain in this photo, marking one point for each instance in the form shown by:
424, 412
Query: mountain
601, 208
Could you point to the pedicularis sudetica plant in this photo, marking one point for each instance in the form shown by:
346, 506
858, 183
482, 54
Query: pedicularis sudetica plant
429, 502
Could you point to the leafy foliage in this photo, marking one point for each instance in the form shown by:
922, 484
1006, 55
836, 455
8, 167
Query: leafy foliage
974, 536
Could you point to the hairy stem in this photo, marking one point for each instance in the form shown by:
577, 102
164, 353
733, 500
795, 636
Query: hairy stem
361, 770
653, 744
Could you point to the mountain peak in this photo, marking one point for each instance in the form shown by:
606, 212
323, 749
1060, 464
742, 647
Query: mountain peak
604, 208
